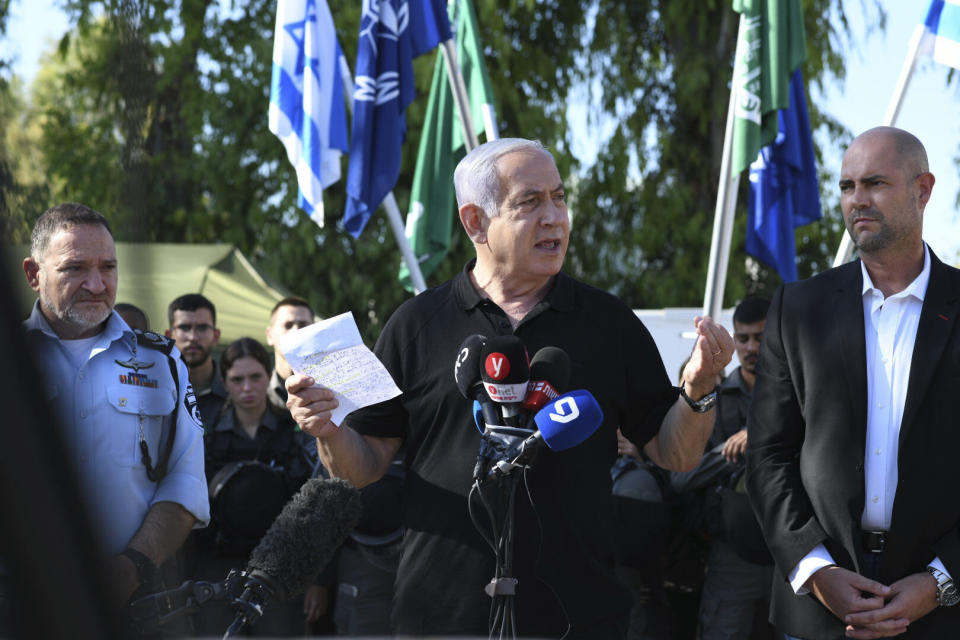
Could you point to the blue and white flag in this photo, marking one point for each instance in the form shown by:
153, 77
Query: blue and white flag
941, 39
392, 33
784, 192
307, 110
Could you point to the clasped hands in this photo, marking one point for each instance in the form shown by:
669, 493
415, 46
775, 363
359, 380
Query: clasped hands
870, 609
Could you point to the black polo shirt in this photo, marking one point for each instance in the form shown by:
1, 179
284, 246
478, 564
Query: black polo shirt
563, 541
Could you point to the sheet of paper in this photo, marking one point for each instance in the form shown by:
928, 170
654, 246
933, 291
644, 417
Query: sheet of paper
332, 353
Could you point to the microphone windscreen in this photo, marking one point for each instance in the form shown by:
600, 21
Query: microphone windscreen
466, 369
551, 364
569, 420
478, 416
306, 535
506, 369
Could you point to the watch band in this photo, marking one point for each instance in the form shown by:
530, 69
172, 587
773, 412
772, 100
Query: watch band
947, 595
146, 569
702, 405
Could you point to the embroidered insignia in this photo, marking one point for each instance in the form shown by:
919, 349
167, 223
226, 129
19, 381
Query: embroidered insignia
138, 380
134, 364
190, 403
123, 402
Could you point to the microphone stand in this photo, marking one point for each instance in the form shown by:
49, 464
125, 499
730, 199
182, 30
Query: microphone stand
503, 587
246, 592
497, 493
151, 613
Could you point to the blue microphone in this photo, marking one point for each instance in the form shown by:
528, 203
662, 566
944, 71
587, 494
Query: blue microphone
478, 416
561, 424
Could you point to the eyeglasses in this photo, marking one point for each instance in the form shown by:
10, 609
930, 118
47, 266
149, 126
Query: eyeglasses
196, 329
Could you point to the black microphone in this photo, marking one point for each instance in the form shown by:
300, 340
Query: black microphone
297, 546
549, 377
466, 371
505, 374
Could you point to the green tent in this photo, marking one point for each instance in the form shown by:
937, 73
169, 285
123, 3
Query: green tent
153, 274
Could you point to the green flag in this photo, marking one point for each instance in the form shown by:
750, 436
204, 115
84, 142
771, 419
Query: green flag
770, 47
430, 220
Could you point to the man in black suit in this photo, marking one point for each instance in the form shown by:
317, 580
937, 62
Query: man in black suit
852, 461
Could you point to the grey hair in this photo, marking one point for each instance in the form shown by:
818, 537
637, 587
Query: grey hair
477, 179
60, 217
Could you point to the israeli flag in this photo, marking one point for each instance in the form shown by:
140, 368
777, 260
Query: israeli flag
941, 40
307, 110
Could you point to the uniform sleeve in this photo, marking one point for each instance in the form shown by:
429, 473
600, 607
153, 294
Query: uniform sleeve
185, 482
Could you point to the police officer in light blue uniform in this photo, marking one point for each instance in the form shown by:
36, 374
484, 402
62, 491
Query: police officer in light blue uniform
126, 410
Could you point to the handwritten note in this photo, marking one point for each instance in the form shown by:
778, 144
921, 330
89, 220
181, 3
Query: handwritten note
332, 353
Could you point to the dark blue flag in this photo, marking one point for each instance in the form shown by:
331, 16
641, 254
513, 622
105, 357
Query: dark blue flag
784, 192
392, 33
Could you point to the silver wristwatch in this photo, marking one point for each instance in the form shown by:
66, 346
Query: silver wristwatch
702, 405
947, 594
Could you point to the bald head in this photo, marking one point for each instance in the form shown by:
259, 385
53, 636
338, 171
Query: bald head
908, 151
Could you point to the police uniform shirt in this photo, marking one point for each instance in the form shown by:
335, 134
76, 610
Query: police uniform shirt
101, 406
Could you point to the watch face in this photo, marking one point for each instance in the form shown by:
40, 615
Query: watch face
949, 595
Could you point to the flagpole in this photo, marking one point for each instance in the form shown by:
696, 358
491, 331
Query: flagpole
459, 90
845, 251
389, 202
723, 217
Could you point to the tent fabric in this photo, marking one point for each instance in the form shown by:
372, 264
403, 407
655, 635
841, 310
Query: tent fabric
151, 275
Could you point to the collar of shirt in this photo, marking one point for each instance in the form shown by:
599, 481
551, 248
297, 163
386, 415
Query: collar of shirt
216, 387
735, 382
559, 295
917, 288
115, 330
228, 422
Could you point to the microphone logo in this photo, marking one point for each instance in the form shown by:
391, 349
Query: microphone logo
562, 406
461, 358
497, 366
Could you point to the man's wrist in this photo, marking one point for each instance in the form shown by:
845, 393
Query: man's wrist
699, 403
696, 392
144, 568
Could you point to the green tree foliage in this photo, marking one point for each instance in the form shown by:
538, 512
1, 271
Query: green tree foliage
154, 111
646, 207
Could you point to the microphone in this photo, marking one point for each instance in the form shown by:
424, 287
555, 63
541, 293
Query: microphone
478, 417
505, 374
561, 424
466, 371
297, 546
549, 377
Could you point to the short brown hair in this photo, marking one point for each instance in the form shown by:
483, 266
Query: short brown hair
292, 301
60, 217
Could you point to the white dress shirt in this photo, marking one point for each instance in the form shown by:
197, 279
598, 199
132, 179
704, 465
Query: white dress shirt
890, 328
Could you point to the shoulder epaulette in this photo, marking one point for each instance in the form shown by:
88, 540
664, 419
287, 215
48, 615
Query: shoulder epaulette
155, 341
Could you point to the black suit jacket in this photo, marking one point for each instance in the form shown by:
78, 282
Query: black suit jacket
807, 430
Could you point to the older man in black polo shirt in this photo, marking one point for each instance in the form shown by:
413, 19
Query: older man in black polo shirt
512, 207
